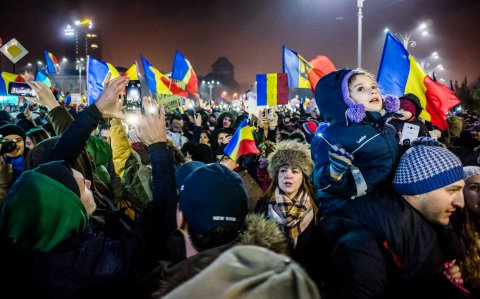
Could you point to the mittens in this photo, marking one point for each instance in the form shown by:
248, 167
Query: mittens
340, 160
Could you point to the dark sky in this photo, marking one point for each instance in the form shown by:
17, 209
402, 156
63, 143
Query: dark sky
250, 33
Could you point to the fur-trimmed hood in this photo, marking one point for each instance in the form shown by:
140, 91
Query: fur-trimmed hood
259, 231
334, 102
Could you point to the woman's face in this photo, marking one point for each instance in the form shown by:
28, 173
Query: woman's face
471, 194
289, 180
29, 143
204, 138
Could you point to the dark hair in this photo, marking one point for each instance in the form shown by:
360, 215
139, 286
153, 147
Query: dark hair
175, 116
104, 126
37, 135
216, 236
209, 135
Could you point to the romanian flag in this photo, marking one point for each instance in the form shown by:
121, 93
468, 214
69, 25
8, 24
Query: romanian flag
52, 63
159, 83
43, 77
272, 89
183, 71
97, 72
242, 142
6, 78
304, 74
132, 72
399, 74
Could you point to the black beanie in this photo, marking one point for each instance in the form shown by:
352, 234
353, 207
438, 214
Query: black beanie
11, 129
60, 172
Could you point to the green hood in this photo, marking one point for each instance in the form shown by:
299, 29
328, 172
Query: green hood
39, 213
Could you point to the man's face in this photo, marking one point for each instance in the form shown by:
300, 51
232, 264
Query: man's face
471, 192
438, 205
476, 134
20, 145
105, 135
176, 126
86, 195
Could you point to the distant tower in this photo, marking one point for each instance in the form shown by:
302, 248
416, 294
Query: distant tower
82, 40
224, 68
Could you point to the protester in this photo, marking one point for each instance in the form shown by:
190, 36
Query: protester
467, 225
396, 244
52, 250
34, 136
15, 157
290, 201
355, 150
410, 109
175, 131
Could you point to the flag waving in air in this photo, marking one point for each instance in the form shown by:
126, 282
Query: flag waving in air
399, 74
97, 72
6, 78
183, 71
159, 83
301, 73
242, 142
52, 63
132, 72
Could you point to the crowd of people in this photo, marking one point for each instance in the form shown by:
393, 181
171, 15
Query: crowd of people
338, 202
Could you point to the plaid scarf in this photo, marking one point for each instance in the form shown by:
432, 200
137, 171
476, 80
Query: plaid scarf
294, 214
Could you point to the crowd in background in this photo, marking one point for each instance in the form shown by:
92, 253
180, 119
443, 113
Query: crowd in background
331, 202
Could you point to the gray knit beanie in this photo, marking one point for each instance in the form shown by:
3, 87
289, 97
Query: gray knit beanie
470, 171
425, 168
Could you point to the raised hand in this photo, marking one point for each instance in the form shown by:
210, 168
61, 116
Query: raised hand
340, 161
45, 95
198, 120
151, 127
109, 103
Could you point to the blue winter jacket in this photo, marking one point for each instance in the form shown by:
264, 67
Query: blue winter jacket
372, 142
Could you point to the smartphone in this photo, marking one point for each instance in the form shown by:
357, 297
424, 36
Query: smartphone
410, 132
133, 97
20, 89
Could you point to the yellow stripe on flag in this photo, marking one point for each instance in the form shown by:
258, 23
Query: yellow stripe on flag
272, 89
415, 84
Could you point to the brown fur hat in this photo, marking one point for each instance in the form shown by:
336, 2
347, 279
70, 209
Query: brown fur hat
290, 153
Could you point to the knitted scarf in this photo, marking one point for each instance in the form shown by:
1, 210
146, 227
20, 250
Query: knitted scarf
294, 214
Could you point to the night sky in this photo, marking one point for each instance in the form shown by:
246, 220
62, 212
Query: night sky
250, 33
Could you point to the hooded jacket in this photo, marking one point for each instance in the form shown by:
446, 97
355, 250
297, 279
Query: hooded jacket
259, 231
366, 135
398, 123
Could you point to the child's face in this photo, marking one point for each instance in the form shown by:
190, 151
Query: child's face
363, 90
406, 115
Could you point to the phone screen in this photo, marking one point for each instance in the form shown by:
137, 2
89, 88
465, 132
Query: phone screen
133, 96
410, 131
20, 89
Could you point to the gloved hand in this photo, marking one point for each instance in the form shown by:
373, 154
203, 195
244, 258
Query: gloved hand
340, 161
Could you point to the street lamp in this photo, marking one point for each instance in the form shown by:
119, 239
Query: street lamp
360, 17
211, 85
407, 37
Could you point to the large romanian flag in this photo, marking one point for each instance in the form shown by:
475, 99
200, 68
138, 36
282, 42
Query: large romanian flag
242, 142
183, 71
6, 78
272, 89
52, 63
399, 74
97, 72
159, 83
304, 74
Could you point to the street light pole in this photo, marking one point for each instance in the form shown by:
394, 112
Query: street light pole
360, 17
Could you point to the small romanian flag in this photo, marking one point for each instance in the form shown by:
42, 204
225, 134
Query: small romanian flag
97, 72
272, 89
6, 78
43, 77
242, 142
52, 63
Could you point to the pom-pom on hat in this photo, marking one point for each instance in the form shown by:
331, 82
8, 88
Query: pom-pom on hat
425, 168
290, 153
